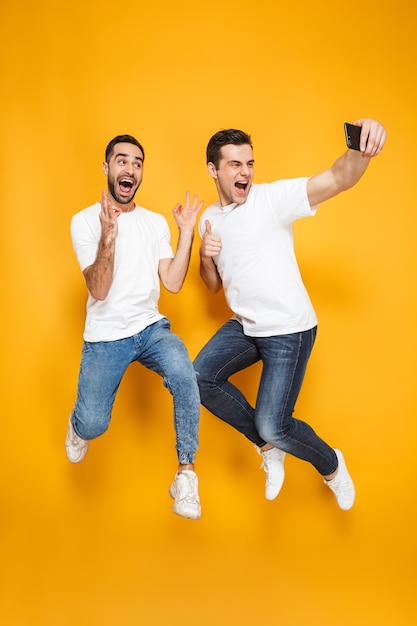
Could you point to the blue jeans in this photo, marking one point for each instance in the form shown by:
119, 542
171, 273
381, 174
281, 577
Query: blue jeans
103, 365
284, 359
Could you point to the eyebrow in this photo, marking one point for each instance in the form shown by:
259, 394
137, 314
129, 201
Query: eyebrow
121, 154
240, 162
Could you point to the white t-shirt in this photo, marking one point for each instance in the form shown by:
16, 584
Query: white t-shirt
132, 302
257, 263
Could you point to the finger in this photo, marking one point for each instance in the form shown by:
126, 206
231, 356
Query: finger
195, 202
113, 211
187, 199
376, 139
364, 136
104, 200
107, 207
381, 137
197, 207
208, 227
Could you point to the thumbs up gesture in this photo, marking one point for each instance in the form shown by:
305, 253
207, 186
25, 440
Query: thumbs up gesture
211, 244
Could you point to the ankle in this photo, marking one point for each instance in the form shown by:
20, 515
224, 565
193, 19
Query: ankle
185, 466
331, 476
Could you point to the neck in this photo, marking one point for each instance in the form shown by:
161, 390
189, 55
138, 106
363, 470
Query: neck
127, 208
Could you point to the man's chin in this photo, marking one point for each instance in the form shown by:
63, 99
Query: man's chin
125, 199
240, 198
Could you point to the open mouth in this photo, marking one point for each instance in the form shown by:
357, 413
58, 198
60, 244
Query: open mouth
241, 187
126, 185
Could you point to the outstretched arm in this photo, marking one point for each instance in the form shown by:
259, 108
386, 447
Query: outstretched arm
99, 275
210, 247
172, 272
350, 167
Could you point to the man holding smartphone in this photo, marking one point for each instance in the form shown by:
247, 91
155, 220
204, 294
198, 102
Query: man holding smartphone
247, 248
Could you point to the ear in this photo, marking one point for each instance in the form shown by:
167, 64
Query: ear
105, 168
212, 169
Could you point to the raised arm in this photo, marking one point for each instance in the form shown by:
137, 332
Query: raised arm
99, 275
210, 247
350, 167
172, 272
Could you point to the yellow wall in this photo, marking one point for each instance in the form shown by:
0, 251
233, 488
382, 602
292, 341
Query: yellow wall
98, 543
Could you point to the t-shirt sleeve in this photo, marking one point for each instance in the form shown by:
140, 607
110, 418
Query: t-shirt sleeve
84, 240
202, 225
165, 250
289, 199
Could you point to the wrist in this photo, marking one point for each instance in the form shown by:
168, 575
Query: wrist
187, 229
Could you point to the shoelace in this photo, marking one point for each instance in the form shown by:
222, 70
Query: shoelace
76, 441
264, 465
340, 487
191, 489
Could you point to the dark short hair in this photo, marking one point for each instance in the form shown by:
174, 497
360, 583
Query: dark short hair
223, 138
122, 139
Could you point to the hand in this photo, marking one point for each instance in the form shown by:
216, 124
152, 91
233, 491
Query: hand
211, 245
373, 136
108, 217
186, 216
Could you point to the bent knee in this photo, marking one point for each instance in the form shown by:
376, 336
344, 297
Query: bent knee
203, 369
206, 377
271, 433
90, 428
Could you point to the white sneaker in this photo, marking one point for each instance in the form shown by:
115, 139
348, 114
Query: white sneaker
76, 447
342, 484
184, 490
273, 464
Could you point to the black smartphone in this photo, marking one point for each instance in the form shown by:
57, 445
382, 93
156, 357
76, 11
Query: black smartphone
353, 136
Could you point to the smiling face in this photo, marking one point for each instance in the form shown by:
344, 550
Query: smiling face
234, 173
124, 170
